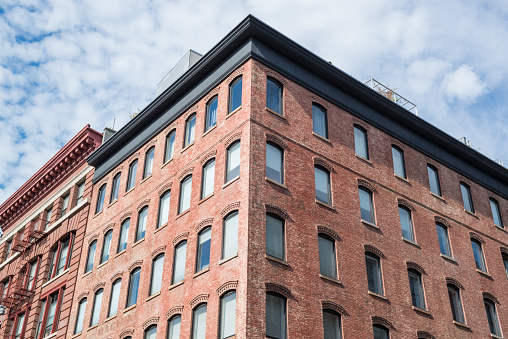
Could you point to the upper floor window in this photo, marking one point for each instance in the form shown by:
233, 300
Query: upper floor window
478, 255
466, 197
5, 287
190, 128
115, 188
455, 303
199, 322
319, 121
151, 332
406, 223
170, 146
106, 246
276, 323
91, 256
162, 218
211, 113
322, 180
124, 232
208, 178
230, 236
65, 205
8, 250
233, 161
49, 212
505, 262
203, 259
381, 332
399, 168
227, 322
80, 316
179, 262
235, 94
366, 205
444, 241
157, 268
50, 313
490, 308
115, 297
374, 276
416, 286
31, 275
185, 194
327, 259
361, 145
274, 163
435, 187
100, 199
20, 326
61, 256
174, 327
331, 325
147, 171
496, 213
132, 292
141, 226
81, 191
96, 310
131, 176
275, 237
274, 95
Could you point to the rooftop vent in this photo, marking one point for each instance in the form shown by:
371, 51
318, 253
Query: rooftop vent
107, 133
392, 95
466, 142
189, 59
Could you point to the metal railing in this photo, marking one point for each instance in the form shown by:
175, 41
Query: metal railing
391, 95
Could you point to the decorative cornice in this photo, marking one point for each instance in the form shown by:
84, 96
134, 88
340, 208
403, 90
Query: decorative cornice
142, 204
126, 333
174, 310
185, 173
278, 211
116, 276
366, 184
151, 321
328, 231
375, 250
382, 321
108, 227
202, 298
164, 188
330, 305
135, 264
272, 287
424, 335
405, 203
233, 138
276, 140
454, 282
158, 251
323, 163
442, 220
227, 286
207, 157
475, 236
203, 224
490, 296
504, 250
415, 266
180, 237
125, 216
231, 207
98, 286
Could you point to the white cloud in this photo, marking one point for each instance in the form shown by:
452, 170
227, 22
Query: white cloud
463, 84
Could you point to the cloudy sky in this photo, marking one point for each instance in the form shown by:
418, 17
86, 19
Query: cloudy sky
66, 63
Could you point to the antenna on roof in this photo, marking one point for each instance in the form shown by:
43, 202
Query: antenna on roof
466, 142
499, 161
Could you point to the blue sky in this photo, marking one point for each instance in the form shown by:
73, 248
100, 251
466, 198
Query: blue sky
66, 63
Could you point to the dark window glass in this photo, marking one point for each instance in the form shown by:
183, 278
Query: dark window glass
151, 332
100, 199
79, 195
179, 262
65, 205
131, 177
147, 171
31, 275
444, 241
132, 293
174, 327
48, 218
327, 259
170, 146
319, 121
115, 297
366, 205
115, 188
203, 260
490, 308
96, 310
211, 113
274, 95
124, 232
227, 321
162, 218
381, 332
505, 262
416, 285
455, 303
190, 128
235, 94
91, 256
406, 223
398, 162
274, 163
276, 324
275, 236
230, 236
80, 317
478, 255
141, 226
53, 302
435, 187
331, 325
466, 197
361, 146
106, 246
157, 268
199, 322
322, 180
496, 213
185, 194
374, 273
233, 162
208, 178
41, 319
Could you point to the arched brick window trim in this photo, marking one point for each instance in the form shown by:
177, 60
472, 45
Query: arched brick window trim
398, 144
82, 295
94, 237
423, 334
142, 204
150, 144
382, 321
365, 184
158, 251
454, 282
125, 216
108, 227
207, 157
191, 111
232, 139
271, 287
133, 157
328, 231
229, 208
116, 276
415, 266
99, 286
475, 236
232, 77
504, 250
204, 223
102, 182
271, 74
202, 298
276, 140
323, 163
180, 237
212, 94
185, 173
374, 250
278, 211
118, 170
490, 296
151, 321
174, 310
442, 220
361, 123
406, 204
321, 102
135, 264
227, 286
126, 333
330, 305
170, 128
165, 188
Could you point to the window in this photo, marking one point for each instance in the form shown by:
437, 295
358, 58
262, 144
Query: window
406, 223
505, 262
179, 262
274, 95
162, 218
416, 286
275, 316
208, 178
100, 199
170, 146
91, 256
48, 218
41, 318
455, 303
233, 161
361, 146
319, 121
132, 293
151, 332
211, 113
81, 191
65, 205
366, 205
5, 287
50, 307
374, 273
444, 241
466, 197
157, 268
20, 324
199, 322
124, 232
327, 261
80, 317
398, 162
185, 194
274, 163
141, 226
131, 176
203, 260
8, 251
227, 315
190, 127
115, 188
106, 246
230, 236
235, 94
148, 163
174, 327
331, 325
96, 310
490, 308
435, 187
322, 179
496, 213
381, 332
61, 256
478, 255
115, 297
31, 275
275, 237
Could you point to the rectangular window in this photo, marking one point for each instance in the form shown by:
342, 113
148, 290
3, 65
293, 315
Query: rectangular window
208, 179
115, 188
374, 273
157, 268
179, 262
276, 324
398, 162
8, 251
163, 209
230, 236
233, 162
319, 121
275, 237
53, 311
80, 316
496, 213
455, 303
31, 275
174, 327
41, 319
19, 326
381, 332
48, 218
416, 286
131, 176
227, 322
96, 309
65, 250
170, 146
65, 205
115, 297
190, 127
322, 180
505, 262
203, 260
274, 95
435, 187
327, 259
444, 241
466, 197
199, 322
406, 223
331, 325
274, 163
185, 194
361, 146
81, 191
478, 255
366, 205
124, 232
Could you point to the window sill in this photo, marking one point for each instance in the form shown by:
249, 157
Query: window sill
495, 336
187, 147
166, 163
500, 228
153, 296
138, 242
11, 258
55, 278
485, 274
324, 204
183, 213
176, 284
322, 138
359, 157
275, 113
52, 335
203, 271
437, 196
277, 260
87, 273
402, 179
230, 182
102, 264
93, 327
160, 228
444, 256
97, 214
420, 310
76, 335
276, 183
205, 198
471, 214
333, 280
233, 112
464, 326
112, 203
132, 189
110, 318
129, 308
228, 259
209, 130
410, 242
145, 179
365, 222
376, 295
120, 253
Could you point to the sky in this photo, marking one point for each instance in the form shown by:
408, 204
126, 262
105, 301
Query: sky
65, 64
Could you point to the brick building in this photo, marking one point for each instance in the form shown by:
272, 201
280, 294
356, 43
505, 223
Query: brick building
43, 226
266, 193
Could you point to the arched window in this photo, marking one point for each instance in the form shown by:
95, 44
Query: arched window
131, 177
179, 262
170, 146
230, 235
455, 303
319, 121
444, 240
80, 316
399, 168
190, 127
235, 94
327, 256
115, 187
115, 297
147, 171
208, 178
406, 223
478, 255
276, 323
185, 194
416, 286
466, 197
100, 199
275, 236
132, 293
361, 145
505, 262
274, 95
227, 322
91, 256
211, 113
157, 269
141, 226
174, 327
435, 186
233, 161
374, 275
322, 180
381, 332
331, 325
366, 205
163, 215
151, 332
274, 162
106, 246
124, 232
203, 259
199, 322
96, 310
492, 318
496, 213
